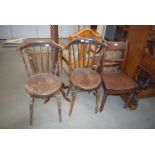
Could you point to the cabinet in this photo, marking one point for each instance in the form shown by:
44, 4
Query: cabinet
137, 38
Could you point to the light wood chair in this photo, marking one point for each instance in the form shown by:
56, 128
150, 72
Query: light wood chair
83, 70
84, 33
41, 63
115, 81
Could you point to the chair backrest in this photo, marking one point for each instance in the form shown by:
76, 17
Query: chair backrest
88, 58
40, 56
114, 56
86, 33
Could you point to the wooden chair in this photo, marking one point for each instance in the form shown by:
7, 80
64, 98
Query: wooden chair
41, 63
84, 33
115, 81
83, 75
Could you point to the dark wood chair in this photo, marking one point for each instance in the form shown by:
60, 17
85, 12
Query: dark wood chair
83, 69
41, 63
115, 81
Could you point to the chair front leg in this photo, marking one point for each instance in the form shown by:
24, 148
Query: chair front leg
31, 110
58, 96
73, 100
97, 100
103, 101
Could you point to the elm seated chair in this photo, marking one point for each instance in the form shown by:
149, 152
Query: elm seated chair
115, 81
41, 63
83, 69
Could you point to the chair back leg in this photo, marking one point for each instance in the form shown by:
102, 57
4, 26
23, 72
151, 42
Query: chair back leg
97, 100
31, 110
73, 100
59, 106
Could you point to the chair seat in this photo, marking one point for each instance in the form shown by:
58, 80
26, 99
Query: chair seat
85, 79
43, 85
119, 82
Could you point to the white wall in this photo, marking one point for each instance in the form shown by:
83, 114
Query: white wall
29, 31
43, 31
36, 31
66, 30
5, 31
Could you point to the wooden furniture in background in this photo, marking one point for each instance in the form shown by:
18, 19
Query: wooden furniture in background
145, 79
84, 33
116, 32
115, 81
41, 63
137, 38
83, 75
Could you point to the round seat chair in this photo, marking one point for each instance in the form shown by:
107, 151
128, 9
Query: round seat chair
41, 63
84, 76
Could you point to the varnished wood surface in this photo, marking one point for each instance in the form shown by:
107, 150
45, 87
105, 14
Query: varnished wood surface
40, 58
148, 61
86, 32
138, 36
85, 78
43, 85
137, 39
118, 83
33, 43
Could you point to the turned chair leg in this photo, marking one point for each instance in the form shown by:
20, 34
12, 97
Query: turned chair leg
103, 102
59, 106
73, 101
97, 100
31, 110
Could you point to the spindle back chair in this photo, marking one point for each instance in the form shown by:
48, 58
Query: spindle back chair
41, 63
83, 68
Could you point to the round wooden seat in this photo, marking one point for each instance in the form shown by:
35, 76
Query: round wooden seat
86, 79
43, 85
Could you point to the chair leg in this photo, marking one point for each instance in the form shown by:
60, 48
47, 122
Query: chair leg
103, 102
64, 95
97, 100
69, 88
73, 100
31, 110
59, 106
129, 99
61, 67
